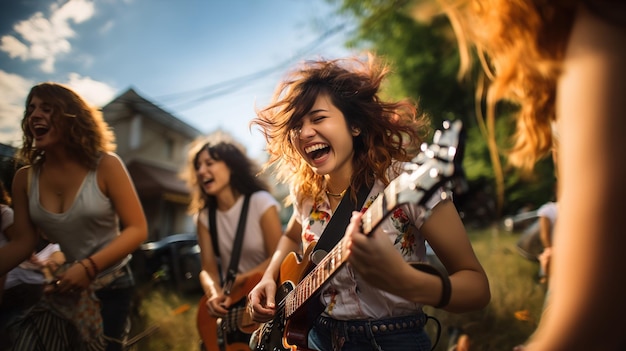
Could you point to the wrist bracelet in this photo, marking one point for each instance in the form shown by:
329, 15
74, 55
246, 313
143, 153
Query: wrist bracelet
446, 287
96, 270
89, 275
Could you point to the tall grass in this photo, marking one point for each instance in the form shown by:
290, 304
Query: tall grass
164, 321
508, 320
516, 297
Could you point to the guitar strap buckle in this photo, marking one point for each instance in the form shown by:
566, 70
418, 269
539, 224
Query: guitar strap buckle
230, 280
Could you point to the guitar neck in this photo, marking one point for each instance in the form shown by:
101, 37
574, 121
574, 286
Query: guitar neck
408, 187
336, 258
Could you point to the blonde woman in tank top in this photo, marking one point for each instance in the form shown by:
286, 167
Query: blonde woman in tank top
77, 191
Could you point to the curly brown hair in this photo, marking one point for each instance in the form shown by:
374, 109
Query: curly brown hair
390, 131
86, 135
521, 45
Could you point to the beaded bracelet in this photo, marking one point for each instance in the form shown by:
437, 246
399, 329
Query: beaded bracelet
96, 270
446, 288
89, 275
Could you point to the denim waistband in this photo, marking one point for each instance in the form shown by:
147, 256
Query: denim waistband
376, 326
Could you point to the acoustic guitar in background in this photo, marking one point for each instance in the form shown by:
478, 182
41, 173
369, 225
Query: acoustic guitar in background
232, 332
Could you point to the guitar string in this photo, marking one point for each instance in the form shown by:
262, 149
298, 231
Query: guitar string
303, 291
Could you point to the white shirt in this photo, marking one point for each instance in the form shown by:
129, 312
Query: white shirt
253, 248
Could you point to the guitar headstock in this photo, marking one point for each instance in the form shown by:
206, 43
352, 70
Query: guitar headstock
435, 166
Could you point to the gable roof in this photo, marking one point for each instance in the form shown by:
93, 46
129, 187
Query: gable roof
134, 102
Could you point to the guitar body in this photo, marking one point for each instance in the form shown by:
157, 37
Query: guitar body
231, 333
290, 334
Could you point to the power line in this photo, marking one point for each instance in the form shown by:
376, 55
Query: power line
191, 98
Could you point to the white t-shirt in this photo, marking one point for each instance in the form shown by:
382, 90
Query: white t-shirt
548, 210
253, 248
26, 273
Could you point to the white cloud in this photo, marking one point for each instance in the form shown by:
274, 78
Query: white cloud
13, 47
43, 39
94, 92
14, 91
77, 10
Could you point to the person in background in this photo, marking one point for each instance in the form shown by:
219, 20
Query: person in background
562, 62
329, 133
219, 176
6, 223
24, 286
7, 229
77, 191
547, 214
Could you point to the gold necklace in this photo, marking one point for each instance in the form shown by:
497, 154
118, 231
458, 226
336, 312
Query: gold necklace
336, 195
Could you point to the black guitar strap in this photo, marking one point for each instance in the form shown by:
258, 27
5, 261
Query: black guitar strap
231, 273
336, 228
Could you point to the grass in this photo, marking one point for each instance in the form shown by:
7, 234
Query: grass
516, 297
164, 321
509, 319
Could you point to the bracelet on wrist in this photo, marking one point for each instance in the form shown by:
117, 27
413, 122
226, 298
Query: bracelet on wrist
89, 275
96, 270
446, 287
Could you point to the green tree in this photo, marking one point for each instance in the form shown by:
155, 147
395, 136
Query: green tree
425, 60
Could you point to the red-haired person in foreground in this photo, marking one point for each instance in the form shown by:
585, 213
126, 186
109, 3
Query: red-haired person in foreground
563, 63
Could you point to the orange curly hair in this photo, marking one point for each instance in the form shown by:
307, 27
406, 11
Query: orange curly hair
521, 45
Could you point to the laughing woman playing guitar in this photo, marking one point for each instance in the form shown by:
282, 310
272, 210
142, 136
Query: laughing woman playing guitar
329, 133
220, 176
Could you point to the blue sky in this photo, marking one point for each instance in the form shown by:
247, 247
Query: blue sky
174, 53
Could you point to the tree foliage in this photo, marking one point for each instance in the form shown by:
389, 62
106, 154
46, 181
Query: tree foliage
425, 62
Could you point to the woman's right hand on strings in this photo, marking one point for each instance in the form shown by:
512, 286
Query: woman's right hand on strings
218, 305
261, 303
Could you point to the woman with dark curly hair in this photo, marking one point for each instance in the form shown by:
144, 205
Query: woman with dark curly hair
330, 134
220, 176
78, 192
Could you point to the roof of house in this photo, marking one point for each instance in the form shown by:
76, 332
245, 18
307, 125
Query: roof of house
148, 109
151, 179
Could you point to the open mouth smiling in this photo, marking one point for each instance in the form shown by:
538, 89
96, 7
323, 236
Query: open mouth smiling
317, 151
39, 129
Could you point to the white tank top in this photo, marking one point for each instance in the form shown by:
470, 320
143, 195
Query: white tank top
87, 226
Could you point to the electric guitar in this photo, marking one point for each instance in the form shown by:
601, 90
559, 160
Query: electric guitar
299, 305
231, 333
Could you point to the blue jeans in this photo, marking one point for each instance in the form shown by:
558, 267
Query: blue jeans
115, 306
393, 334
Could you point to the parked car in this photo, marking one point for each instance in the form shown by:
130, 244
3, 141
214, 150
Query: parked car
174, 259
